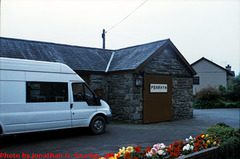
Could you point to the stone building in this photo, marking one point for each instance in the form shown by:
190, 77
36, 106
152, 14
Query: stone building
142, 84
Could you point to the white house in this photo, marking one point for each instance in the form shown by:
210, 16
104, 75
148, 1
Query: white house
210, 74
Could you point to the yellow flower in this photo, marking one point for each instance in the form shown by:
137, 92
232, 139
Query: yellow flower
207, 135
119, 153
112, 158
122, 151
214, 143
208, 142
102, 158
129, 149
203, 136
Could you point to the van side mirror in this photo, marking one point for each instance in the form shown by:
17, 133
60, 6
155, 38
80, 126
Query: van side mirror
99, 92
96, 100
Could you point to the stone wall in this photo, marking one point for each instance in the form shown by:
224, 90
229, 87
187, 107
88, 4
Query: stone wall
125, 98
168, 63
121, 93
99, 82
182, 98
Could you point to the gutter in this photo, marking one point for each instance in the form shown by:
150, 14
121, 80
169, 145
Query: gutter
111, 58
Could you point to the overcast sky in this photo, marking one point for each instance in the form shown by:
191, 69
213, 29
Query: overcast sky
198, 28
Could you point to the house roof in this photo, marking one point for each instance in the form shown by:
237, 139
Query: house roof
85, 58
78, 58
132, 57
205, 59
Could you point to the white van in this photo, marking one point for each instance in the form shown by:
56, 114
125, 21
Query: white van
38, 96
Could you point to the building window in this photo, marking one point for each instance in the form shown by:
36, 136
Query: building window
196, 80
47, 92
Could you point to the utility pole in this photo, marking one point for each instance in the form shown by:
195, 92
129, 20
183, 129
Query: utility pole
103, 36
0, 17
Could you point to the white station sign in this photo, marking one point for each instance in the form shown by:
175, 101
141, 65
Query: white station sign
158, 88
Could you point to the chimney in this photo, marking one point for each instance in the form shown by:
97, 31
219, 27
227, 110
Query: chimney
228, 67
103, 36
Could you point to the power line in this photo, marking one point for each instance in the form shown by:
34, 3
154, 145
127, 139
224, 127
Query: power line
127, 16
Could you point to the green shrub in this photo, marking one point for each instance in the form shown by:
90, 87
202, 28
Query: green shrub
222, 132
230, 148
222, 89
229, 104
209, 93
222, 124
233, 91
230, 140
208, 104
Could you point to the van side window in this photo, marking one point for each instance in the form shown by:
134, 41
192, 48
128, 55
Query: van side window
82, 93
47, 92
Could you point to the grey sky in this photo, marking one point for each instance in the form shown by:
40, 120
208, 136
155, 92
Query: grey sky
198, 28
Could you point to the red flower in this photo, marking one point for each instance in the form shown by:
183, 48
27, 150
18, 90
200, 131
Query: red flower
196, 144
172, 154
175, 155
135, 158
196, 149
169, 149
197, 138
127, 155
137, 149
205, 145
176, 149
175, 144
148, 149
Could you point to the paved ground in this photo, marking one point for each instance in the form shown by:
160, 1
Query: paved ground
118, 134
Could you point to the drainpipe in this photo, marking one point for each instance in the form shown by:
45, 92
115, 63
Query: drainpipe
110, 61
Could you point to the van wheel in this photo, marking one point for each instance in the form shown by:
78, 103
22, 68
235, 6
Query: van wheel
98, 125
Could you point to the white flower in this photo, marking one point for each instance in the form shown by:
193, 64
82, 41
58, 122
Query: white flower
156, 146
159, 146
192, 147
187, 147
161, 152
187, 139
153, 151
190, 138
149, 154
162, 146
184, 148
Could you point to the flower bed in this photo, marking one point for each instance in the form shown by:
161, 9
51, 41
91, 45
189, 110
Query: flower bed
210, 153
179, 149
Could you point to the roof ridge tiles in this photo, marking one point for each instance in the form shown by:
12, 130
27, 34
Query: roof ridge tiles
69, 45
52, 43
143, 44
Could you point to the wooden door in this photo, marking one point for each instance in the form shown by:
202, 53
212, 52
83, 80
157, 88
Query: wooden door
157, 105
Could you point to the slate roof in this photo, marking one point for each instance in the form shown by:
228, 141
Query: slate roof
132, 57
82, 58
78, 58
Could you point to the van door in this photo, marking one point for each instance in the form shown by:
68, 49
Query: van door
83, 104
